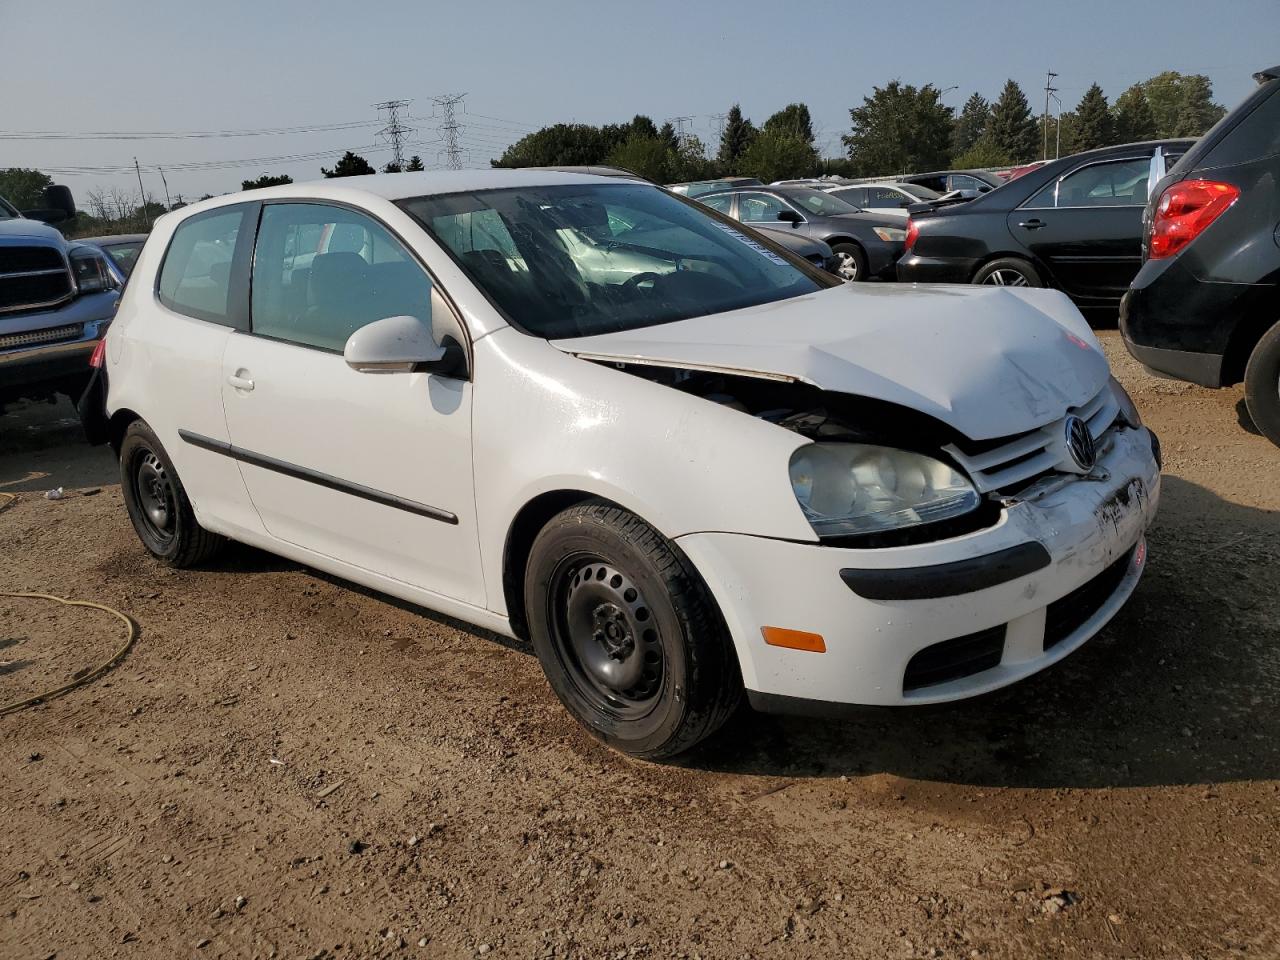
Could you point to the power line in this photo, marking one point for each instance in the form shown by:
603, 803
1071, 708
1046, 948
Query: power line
395, 131
449, 128
179, 134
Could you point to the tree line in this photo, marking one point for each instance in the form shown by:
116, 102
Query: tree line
898, 129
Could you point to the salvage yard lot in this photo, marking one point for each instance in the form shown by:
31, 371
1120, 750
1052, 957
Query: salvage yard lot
369, 779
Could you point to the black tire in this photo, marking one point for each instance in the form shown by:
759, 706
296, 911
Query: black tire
627, 633
1008, 272
157, 503
853, 261
1262, 385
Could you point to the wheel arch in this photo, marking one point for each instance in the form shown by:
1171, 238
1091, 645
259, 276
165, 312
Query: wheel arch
1244, 338
523, 530
117, 424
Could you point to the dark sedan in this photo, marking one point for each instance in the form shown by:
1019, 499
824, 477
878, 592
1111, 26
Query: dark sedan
1074, 224
866, 245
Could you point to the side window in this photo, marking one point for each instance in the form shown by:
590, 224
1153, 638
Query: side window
759, 207
195, 278
886, 198
854, 195
1116, 183
723, 202
320, 273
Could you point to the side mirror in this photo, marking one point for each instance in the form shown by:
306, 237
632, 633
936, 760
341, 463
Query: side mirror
403, 344
789, 216
59, 205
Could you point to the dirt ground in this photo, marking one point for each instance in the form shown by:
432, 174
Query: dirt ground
286, 765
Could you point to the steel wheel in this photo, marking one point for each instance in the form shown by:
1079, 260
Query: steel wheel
1006, 278
606, 636
154, 493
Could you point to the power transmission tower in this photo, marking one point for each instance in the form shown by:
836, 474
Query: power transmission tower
396, 131
720, 120
681, 133
1049, 89
449, 128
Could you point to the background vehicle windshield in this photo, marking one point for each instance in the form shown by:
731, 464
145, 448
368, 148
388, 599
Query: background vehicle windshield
916, 190
584, 259
817, 203
7, 212
124, 255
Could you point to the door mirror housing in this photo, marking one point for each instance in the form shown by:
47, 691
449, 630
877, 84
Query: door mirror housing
403, 344
59, 206
789, 216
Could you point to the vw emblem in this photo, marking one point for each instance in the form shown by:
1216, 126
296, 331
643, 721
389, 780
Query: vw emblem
1080, 445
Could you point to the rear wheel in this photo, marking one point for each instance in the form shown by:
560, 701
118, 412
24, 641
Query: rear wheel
1262, 385
627, 633
157, 503
1008, 272
851, 261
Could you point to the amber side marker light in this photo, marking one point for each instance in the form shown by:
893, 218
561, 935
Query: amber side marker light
794, 639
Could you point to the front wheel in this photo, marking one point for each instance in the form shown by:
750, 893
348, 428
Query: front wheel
157, 502
1008, 272
627, 633
851, 261
1262, 385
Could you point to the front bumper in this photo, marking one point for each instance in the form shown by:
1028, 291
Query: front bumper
62, 362
940, 642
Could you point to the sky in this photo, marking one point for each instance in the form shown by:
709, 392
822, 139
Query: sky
311, 72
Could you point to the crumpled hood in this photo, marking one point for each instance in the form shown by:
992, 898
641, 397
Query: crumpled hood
987, 361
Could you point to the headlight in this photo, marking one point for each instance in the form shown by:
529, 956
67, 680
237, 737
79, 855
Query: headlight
890, 234
847, 489
1128, 409
91, 271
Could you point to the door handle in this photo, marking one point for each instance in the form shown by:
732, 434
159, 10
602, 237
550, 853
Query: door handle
240, 383
1032, 224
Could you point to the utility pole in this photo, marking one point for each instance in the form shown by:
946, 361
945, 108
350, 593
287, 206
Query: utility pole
167, 202
1049, 88
1057, 144
396, 131
141, 192
449, 128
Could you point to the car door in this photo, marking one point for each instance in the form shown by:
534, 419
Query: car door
372, 470
175, 342
1086, 227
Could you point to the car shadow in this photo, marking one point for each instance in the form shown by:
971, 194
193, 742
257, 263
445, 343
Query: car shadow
42, 447
1245, 420
1180, 688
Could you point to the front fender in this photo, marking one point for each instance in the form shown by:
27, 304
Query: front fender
547, 421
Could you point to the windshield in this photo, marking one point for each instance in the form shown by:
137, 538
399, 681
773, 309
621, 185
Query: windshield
7, 212
123, 255
917, 191
584, 259
816, 203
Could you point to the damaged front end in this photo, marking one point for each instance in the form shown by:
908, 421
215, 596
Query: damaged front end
878, 474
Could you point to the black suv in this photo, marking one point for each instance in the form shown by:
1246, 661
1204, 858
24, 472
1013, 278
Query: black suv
1205, 306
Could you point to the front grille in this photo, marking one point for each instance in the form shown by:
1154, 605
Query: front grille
1065, 616
32, 277
955, 658
23, 259
1009, 463
35, 338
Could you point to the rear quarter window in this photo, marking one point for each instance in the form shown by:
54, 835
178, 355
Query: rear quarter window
195, 278
1254, 137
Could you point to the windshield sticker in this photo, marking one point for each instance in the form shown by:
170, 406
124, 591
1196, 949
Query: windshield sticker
757, 247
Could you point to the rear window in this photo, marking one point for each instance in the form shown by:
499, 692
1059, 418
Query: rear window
1249, 132
196, 276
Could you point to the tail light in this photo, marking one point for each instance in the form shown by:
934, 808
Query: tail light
913, 231
1184, 211
99, 356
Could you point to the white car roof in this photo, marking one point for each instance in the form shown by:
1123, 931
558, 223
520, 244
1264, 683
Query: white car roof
396, 186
